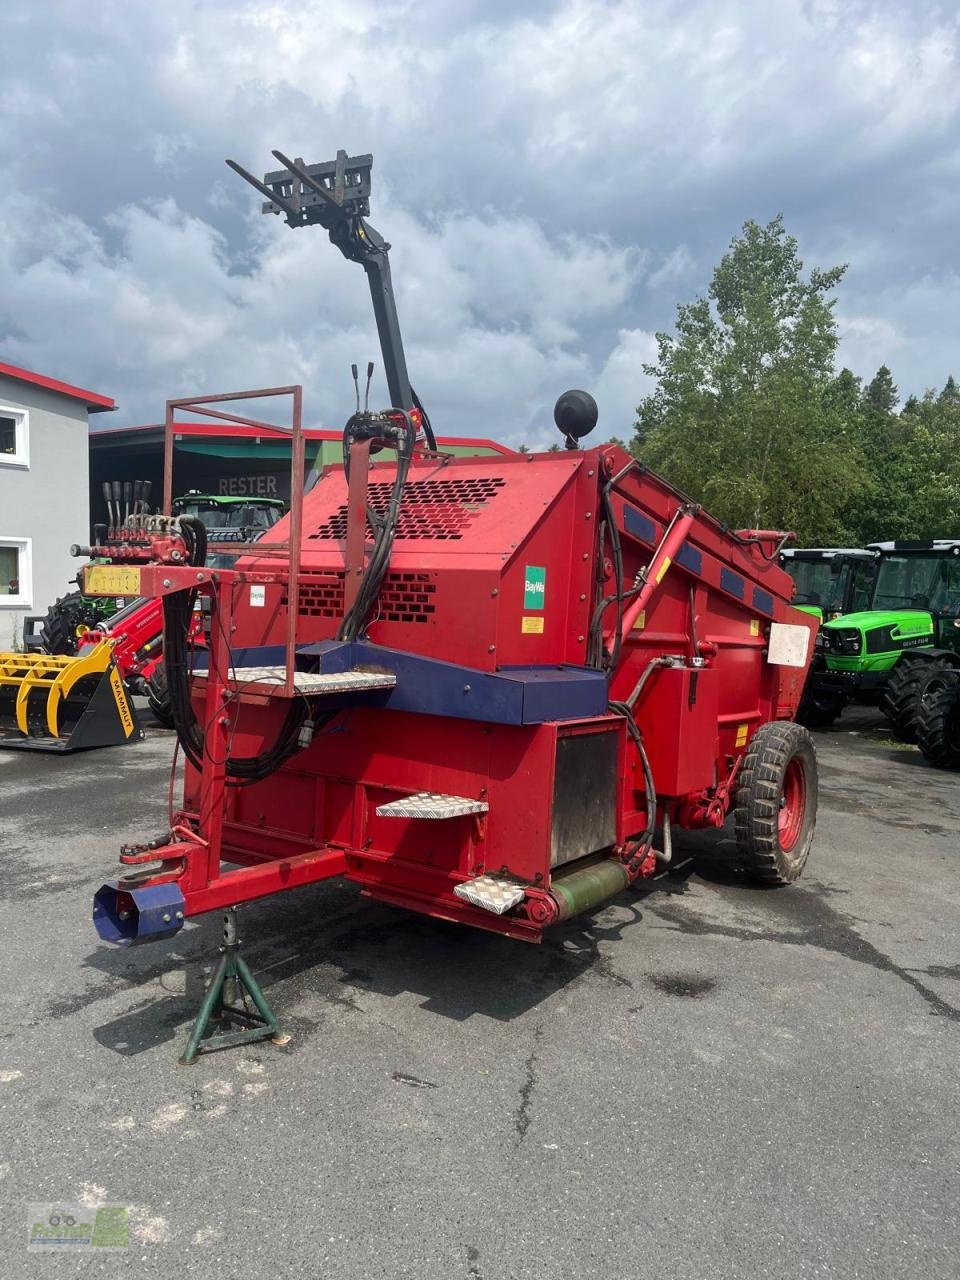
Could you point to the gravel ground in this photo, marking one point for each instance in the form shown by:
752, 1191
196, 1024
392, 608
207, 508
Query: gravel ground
703, 1080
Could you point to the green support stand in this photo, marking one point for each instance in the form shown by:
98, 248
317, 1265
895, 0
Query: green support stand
232, 979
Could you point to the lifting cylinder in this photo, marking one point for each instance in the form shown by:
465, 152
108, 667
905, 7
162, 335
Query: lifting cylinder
581, 890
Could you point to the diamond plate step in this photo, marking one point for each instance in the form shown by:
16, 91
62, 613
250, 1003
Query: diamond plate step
309, 682
431, 804
492, 893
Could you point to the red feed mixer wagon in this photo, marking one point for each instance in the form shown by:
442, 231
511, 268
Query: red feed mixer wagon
476, 686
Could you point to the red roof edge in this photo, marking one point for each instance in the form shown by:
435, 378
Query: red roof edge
95, 403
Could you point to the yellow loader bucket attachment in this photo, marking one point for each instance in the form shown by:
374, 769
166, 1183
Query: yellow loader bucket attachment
54, 703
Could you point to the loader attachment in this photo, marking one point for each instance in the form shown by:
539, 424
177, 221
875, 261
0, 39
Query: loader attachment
57, 703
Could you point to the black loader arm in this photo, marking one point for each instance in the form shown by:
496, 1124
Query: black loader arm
336, 196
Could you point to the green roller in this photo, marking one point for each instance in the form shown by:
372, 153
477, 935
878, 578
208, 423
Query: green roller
587, 888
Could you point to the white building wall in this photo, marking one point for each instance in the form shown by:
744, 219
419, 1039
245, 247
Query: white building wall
49, 502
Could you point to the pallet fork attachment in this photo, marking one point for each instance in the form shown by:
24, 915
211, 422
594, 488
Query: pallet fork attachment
62, 704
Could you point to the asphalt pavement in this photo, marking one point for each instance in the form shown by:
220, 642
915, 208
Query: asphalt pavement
703, 1080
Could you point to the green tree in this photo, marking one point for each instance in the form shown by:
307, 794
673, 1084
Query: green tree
880, 395
749, 415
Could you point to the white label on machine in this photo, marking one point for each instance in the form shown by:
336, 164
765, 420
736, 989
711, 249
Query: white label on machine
788, 645
258, 598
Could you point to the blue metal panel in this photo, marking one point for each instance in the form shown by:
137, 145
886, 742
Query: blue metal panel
690, 558
732, 582
639, 525
763, 601
428, 686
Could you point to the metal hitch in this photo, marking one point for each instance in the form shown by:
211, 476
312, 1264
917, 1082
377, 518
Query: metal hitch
129, 917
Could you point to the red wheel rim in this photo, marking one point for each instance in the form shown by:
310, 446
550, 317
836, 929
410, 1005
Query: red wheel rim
793, 800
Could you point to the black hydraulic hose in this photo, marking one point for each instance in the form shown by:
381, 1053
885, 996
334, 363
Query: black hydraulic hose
355, 620
177, 614
427, 428
650, 791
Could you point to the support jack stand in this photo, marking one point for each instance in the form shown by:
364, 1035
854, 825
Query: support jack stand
226, 1002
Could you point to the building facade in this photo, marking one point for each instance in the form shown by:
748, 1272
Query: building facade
44, 491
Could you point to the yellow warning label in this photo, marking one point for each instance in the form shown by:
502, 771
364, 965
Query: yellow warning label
641, 620
754, 626
111, 580
663, 568
123, 706
531, 626
742, 730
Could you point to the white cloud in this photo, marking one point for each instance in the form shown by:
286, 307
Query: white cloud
554, 177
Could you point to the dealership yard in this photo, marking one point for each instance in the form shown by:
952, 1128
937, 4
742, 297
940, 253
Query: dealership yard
700, 1080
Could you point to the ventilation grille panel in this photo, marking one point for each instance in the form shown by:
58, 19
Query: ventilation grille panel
435, 510
404, 597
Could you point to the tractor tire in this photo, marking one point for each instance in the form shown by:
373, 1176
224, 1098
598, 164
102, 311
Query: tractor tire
775, 810
938, 725
158, 697
819, 708
58, 631
901, 700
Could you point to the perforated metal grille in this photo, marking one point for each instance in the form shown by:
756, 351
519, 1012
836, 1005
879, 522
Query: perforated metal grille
438, 510
404, 597
320, 597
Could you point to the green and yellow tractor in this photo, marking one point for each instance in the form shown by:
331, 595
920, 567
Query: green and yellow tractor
830, 581
899, 650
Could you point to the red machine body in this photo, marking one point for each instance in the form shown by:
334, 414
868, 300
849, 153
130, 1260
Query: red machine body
492, 628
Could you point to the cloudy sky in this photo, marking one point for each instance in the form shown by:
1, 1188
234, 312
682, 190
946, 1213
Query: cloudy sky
554, 175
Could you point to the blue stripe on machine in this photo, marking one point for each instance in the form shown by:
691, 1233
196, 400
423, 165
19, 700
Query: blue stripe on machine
732, 582
762, 600
636, 523
689, 558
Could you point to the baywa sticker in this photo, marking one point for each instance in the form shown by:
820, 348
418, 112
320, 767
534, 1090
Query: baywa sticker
534, 586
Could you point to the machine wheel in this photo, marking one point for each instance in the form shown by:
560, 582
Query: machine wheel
901, 700
158, 696
938, 725
776, 802
59, 629
819, 708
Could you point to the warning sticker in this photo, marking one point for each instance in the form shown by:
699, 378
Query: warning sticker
534, 586
532, 626
754, 626
258, 597
640, 621
742, 731
663, 568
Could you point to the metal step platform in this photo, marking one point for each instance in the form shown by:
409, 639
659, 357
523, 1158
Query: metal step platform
432, 805
492, 893
314, 684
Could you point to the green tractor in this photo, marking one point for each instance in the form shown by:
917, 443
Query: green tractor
227, 520
901, 649
230, 519
830, 581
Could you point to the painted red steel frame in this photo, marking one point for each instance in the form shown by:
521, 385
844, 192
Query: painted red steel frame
293, 547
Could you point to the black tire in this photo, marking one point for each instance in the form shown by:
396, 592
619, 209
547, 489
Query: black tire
158, 697
58, 632
775, 810
901, 699
938, 724
819, 708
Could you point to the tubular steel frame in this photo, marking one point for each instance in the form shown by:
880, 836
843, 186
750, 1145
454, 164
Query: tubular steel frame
291, 549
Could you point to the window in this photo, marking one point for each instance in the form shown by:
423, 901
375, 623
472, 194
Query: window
16, 585
14, 438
